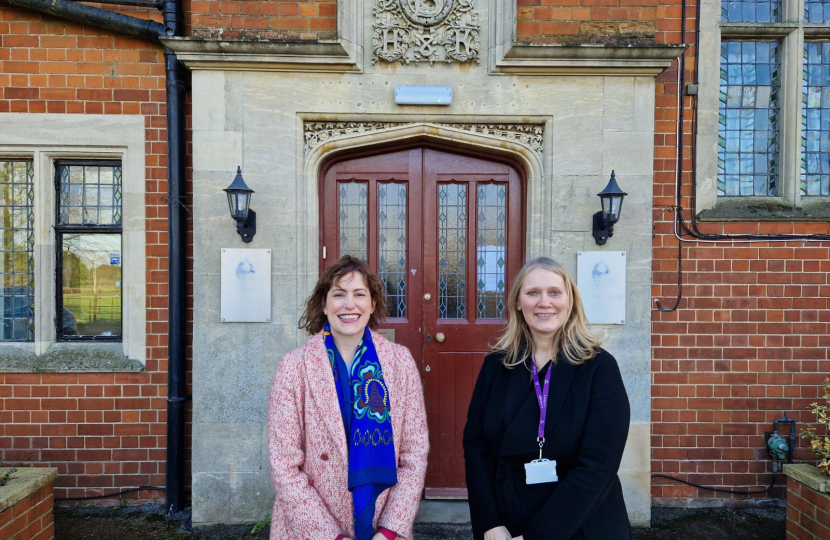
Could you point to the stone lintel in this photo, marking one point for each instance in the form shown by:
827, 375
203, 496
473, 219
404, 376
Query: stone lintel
808, 475
23, 482
589, 59
262, 55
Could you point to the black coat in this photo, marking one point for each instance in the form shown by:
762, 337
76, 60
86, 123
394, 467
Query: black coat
585, 431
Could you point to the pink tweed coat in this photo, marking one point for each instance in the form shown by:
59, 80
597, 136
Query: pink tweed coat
307, 445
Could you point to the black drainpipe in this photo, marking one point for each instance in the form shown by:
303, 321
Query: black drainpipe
101, 18
176, 257
176, 367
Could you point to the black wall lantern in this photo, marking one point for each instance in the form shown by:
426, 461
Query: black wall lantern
239, 201
611, 198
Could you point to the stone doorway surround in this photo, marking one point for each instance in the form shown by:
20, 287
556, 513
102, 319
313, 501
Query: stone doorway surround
266, 106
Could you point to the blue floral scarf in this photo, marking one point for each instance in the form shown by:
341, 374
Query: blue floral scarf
365, 407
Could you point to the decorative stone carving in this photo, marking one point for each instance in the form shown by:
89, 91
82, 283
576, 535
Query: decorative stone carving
409, 31
316, 133
529, 135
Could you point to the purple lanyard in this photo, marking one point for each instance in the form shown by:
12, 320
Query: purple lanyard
542, 396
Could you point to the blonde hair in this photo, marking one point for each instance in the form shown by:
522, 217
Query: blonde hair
576, 342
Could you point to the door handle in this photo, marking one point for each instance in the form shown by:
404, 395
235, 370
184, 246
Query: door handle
439, 337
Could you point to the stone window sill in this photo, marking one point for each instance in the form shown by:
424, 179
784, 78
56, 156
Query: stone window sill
766, 209
67, 358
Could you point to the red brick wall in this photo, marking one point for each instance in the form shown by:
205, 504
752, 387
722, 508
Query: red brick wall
587, 21
31, 518
808, 513
267, 19
749, 340
102, 431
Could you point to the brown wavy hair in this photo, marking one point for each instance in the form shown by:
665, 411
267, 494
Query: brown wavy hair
313, 319
576, 342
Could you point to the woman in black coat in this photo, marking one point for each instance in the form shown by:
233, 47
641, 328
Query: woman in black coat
585, 427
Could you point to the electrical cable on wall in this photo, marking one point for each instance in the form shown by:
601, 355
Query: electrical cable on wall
111, 495
682, 230
719, 490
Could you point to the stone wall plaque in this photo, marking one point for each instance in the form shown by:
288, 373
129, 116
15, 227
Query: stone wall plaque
600, 276
245, 285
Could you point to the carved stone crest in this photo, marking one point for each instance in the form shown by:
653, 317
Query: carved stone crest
409, 31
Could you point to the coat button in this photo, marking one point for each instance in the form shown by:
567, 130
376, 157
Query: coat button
324, 457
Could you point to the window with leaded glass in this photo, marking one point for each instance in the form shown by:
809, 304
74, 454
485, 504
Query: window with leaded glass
773, 132
88, 237
17, 292
748, 119
815, 120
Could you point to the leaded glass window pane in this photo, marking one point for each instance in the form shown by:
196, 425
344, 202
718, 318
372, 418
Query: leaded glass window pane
353, 218
89, 194
760, 11
91, 286
17, 296
816, 11
452, 251
815, 121
748, 119
392, 245
88, 236
490, 254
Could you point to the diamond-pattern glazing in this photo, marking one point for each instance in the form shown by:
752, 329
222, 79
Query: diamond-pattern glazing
490, 250
815, 121
392, 245
748, 119
452, 249
17, 295
353, 217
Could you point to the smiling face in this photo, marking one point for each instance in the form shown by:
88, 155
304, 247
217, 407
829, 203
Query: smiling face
543, 301
348, 306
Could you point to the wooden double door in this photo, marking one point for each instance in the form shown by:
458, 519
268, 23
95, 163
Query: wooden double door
445, 233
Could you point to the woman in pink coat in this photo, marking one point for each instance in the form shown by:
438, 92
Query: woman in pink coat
347, 431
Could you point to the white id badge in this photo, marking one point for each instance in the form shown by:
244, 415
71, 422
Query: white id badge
541, 471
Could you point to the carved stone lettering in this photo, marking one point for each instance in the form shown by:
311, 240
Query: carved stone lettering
409, 31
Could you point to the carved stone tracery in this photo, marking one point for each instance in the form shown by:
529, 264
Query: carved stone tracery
409, 31
528, 135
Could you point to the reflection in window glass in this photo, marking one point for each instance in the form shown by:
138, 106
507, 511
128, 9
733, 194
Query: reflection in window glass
392, 245
352, 219
816, 11
91, 289
452, 251
490, 255
815, 121
760, 11
17, 285
748, 119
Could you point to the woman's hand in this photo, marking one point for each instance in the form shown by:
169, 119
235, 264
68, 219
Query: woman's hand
498, 533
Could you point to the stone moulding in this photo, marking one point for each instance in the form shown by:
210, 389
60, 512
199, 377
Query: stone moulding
262, 55
408, 31
528, 135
